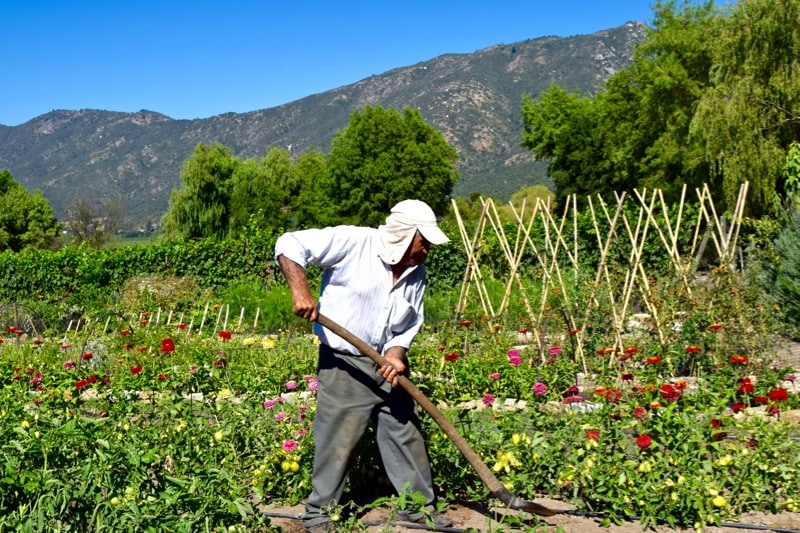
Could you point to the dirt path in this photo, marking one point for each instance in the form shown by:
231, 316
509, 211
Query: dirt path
476, 518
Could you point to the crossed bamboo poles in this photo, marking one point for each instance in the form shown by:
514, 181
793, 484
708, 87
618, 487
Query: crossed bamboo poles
634, 219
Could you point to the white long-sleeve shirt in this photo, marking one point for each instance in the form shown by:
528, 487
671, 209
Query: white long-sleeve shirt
357, 288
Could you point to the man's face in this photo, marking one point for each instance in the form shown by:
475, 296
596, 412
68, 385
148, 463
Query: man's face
417, 251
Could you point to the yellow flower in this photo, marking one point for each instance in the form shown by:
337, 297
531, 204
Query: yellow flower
725, 460
718, 501
268, 343
218, 436
515, 438
249, 341
26, 424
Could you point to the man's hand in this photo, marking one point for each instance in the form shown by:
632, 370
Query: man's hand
303, 303
395, 357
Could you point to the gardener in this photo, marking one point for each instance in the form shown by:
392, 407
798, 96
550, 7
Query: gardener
373, 285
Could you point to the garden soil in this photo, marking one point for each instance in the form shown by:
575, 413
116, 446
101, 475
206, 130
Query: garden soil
477, 518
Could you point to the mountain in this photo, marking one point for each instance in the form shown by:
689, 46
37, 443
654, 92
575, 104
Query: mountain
473, 99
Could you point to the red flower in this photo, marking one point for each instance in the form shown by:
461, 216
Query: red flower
524, 330
746, 385
739, 360
452, 356
143, 322
81, 383
773, 410
37, 342
183, 325
163, 377
19, 332
605, 351
127, 346
125, 332
167, 345
719, 436
593, 434
145, 315
681, 384
715, 327
87, 356
136, 369
716, 423
613, 396
92, 379
225, 335
627, 376
573, 331
639, 412
630, 350
466, 323
11, 329
669, 392
220, 363
692, 349
141, 349
761, 400
778, 395
654, 360
737, 407
644, 441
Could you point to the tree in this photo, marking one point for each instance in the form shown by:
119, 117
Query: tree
95, 224
383, 157
748, 119
265, 189
26, 220
636, 132
202, 207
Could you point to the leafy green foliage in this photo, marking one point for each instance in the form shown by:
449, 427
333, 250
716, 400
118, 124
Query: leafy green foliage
382, 158
26, 220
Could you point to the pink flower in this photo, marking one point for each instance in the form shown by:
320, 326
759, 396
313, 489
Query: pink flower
539, 389
291, 385
639, 412
488, 399
300, 433
280, 416
555, 350
269, 404
69, 364
312, 384
514, 358
289, 445
495, 376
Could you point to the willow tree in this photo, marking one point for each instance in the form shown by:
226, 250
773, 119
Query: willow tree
751, 115
202, 206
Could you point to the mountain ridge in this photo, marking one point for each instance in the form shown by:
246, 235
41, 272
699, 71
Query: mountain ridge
474, 99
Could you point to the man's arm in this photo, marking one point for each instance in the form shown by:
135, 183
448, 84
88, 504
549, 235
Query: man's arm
303, 303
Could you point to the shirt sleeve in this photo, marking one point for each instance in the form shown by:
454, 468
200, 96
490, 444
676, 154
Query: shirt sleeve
321, 247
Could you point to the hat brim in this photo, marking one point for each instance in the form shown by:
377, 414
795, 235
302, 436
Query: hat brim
433, 234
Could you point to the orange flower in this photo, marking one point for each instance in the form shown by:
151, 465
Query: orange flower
739, 360
654, 360
574, 331
692, 349
681, 384
630, 350
715, 327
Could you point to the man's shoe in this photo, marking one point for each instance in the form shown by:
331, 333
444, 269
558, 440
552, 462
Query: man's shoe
439, 520
322, 527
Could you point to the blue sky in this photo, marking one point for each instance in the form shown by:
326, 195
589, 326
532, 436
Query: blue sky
203, 58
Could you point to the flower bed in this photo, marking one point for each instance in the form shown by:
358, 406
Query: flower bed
159, 428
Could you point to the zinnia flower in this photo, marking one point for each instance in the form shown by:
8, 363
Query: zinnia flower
654, 360
466, 323
692, 349
778, 395
716, 423
291, 385
81, 383
773, 410
514, 359
452, 356
644, 442
163, 377
225, 335
280, 416
761, 400
539, 389
639, 412
627, 376
669, 392
739, 360
554, 350
137, 369
495, 376
87, 356
269, 404
593, 434
630, 350
737, 407
613, 395
746, 385
68, 364
488, 399
183, 325
167, 345
289, 445
715, 327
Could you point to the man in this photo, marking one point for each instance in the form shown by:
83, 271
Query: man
373, 285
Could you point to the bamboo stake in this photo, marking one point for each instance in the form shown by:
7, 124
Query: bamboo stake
105, 328
241, 317
169, 317
255, 322
203, 320
158, 316
227, 310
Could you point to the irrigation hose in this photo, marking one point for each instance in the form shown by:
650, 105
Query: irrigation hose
409, 525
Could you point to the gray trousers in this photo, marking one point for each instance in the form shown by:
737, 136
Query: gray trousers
350, 393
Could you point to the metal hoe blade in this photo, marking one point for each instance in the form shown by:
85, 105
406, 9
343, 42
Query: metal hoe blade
497, 489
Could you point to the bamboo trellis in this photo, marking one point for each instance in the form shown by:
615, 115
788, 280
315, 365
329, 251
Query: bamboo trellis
635, 225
